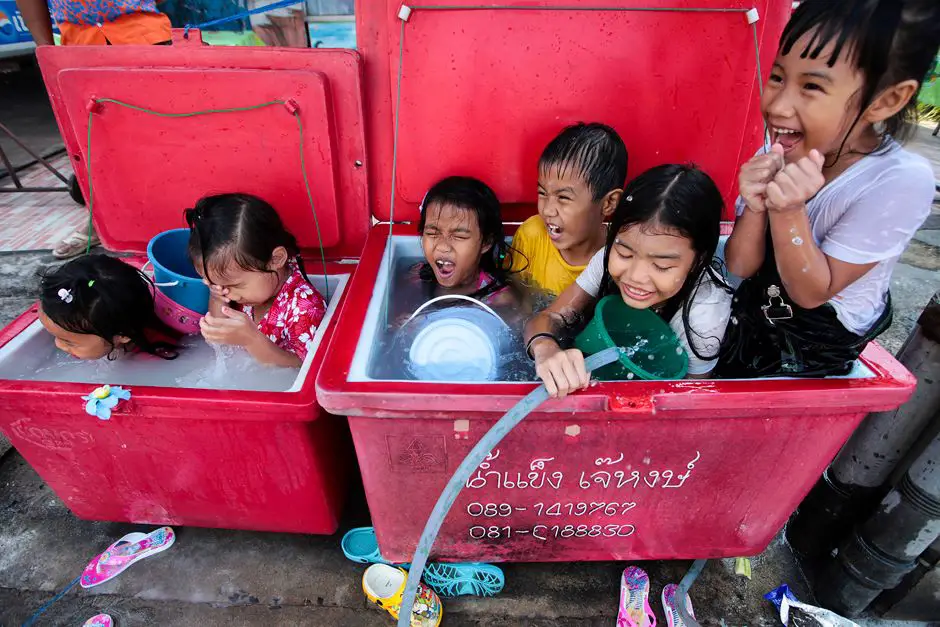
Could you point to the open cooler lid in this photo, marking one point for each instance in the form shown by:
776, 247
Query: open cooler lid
146, 169
484, 89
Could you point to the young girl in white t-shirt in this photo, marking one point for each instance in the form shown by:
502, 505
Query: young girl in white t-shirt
660, 255
826, 212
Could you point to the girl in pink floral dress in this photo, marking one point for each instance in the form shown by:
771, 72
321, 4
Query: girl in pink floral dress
261, 298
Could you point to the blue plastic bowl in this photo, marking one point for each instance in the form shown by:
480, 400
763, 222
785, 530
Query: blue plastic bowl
173, 272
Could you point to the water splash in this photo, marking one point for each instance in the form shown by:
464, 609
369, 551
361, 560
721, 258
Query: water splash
219, 371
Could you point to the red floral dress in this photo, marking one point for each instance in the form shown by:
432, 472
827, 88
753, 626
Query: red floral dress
294, 315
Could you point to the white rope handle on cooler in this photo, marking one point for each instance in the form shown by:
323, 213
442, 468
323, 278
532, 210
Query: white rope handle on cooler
455, 297
170, 284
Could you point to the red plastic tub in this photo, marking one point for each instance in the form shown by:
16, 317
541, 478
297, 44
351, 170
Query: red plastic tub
626, 470
262, 460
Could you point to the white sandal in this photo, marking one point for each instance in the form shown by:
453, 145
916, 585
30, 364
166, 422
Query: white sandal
75, 245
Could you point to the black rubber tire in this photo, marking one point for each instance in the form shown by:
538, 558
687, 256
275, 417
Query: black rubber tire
75, 191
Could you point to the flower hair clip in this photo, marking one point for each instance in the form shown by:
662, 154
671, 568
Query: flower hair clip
65, 295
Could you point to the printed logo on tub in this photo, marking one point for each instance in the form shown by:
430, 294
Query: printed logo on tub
417, 453
50, 439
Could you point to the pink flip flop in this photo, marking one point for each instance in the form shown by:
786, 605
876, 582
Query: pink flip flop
122, 554
101, 620
669, 606
635, 610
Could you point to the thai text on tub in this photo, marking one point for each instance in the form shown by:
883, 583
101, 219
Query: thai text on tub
800, 289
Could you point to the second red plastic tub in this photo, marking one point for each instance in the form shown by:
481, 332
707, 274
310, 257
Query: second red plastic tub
186, 455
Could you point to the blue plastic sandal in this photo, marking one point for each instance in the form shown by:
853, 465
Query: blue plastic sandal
360, 545
452, 580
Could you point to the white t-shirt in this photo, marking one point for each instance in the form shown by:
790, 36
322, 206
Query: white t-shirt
869, 214
708, 315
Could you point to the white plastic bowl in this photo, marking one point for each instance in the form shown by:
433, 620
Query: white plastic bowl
458, 344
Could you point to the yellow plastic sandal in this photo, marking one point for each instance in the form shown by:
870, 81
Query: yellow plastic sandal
385, 585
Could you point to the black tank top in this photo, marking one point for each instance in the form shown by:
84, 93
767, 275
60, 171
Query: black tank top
769, 335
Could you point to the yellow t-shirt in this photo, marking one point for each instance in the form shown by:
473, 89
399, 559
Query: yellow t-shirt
546, 268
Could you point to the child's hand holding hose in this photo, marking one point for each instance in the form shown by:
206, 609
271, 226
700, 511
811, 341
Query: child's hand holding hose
562, 371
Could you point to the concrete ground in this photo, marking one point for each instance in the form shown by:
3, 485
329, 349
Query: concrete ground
218, 577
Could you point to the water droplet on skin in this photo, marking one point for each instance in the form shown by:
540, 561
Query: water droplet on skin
798, 241
805, 269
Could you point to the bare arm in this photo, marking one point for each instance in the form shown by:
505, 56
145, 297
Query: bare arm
562, 371
564, 310
36, 15
746, 247
810, 277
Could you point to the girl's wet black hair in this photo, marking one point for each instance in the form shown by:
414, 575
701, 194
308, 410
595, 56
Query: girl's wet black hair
593, 151
684, 199
889, 41
475, 196
107, 298
240, 227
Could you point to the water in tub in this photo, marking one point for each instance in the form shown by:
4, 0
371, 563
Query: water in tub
199, 365
384, 354
32, 356
392, 357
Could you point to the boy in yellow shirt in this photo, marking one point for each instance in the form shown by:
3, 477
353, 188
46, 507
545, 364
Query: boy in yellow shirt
581, 177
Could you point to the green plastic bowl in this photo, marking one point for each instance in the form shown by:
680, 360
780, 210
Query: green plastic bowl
652, 350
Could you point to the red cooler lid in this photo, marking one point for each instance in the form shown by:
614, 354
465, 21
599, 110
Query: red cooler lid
484, 89
145, 169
